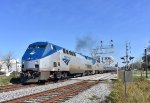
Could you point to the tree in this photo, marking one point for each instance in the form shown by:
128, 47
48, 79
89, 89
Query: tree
0, 66
148, 60
7, 59
136, 65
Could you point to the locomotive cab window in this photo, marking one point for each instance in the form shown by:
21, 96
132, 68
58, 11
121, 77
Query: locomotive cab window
41, 46
32, 47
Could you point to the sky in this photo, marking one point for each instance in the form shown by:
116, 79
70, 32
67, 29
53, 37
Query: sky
61, 22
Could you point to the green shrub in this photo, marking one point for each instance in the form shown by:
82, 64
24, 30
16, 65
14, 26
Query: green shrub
138, 79
14, 74
7, 79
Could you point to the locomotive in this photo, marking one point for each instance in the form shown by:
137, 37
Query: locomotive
43, 60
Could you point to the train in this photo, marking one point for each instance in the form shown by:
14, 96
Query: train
43, 60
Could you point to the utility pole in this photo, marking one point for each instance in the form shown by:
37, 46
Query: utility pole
127, 56
141, 67
146, 62
126, 61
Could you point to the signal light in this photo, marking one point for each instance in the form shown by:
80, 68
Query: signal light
131, 58
122, 58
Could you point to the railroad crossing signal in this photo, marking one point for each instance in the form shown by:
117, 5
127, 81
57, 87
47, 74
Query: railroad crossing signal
125, 62
123, 58
131, 58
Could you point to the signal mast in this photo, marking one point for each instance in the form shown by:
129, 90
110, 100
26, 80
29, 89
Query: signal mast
100, 52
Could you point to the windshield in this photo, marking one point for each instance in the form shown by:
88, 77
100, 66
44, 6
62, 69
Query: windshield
37, 47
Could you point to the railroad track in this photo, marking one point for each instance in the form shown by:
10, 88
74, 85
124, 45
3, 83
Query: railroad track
20, 86
56, 95
14, 87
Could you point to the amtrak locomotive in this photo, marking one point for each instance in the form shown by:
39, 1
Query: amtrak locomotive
43, 60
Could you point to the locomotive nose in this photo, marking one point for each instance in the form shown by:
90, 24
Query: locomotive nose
31, 65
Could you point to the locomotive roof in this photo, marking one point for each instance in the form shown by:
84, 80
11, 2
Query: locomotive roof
58, 48
39, 43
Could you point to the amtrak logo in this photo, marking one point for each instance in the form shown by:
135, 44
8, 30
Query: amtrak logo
66, 60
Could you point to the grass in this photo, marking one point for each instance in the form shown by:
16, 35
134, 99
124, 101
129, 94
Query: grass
137, 92
4, 80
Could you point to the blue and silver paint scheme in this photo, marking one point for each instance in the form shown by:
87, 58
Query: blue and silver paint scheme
39, 53
41, 56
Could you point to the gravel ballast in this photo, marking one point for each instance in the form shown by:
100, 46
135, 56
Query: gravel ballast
96, 94
32, 90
